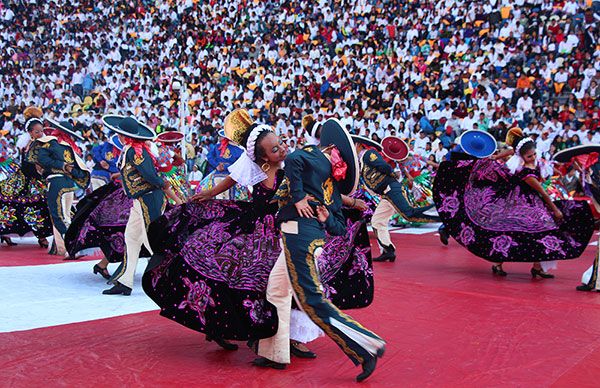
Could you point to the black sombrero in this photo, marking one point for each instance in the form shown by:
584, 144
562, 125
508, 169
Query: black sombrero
66, 127
566, 155
366, 141
332, 133
129, 127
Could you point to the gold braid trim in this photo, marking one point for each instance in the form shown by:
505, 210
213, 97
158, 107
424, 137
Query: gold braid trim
59, 206
308, 308
407, 218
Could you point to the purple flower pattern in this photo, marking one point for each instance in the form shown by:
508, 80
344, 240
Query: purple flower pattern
198, 298
502, 244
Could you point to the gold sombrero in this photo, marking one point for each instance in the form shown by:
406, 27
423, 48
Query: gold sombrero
512, 136
32, 112
236, 125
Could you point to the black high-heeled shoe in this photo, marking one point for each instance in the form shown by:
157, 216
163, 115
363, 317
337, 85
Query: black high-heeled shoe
222, 343
8, 241
102, 271
541, 273
43, 243
497, 270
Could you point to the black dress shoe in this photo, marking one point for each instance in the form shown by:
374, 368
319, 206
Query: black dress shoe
388, 254
102, 271
118, 289
222, 343
301, 353
369, 366
584, 287
266, 363
444, 236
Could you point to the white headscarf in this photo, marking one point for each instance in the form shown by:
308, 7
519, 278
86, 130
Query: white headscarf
245, 171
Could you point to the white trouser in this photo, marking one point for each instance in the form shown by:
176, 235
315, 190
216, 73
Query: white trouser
66, 202
97, 183
381, 220
135, 237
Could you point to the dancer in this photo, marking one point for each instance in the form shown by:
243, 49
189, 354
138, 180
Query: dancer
172, 167
381, 179
212, 259
100, 219
59, 158
23, 203
316, 180
220, 157
502, 213
105, 158
141, 183
589, 153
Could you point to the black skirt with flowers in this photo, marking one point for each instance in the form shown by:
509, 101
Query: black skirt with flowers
499, 217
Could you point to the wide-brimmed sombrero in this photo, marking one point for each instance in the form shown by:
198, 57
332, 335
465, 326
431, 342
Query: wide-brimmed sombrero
566, 155
114, 140
366, 141
332, 133
128, 126
64, 126
478, 143
394, 148
170, 137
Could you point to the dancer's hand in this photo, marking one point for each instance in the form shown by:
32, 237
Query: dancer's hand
360, 205
304, 209
558, 214
322, 213
202, 196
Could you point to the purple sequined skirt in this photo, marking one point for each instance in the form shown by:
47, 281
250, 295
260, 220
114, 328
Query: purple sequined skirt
498, 217
213, 259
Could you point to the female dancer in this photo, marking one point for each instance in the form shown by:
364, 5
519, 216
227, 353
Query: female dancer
212, 260
23, 206
100, 219
502, 213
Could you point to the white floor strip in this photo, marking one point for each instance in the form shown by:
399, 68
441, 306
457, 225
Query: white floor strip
423, 229
56, 294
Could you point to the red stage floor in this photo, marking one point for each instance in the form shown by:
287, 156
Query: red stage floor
447, 320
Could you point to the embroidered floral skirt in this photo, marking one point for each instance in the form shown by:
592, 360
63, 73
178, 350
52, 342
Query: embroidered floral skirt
23, 206
212, 261
100, 221
498, 217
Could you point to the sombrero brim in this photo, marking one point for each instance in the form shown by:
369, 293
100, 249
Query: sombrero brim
57, 125
170, 137
113, 123
114, 140
332, 133
396, 156
566, 155
366, 141
478, 143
